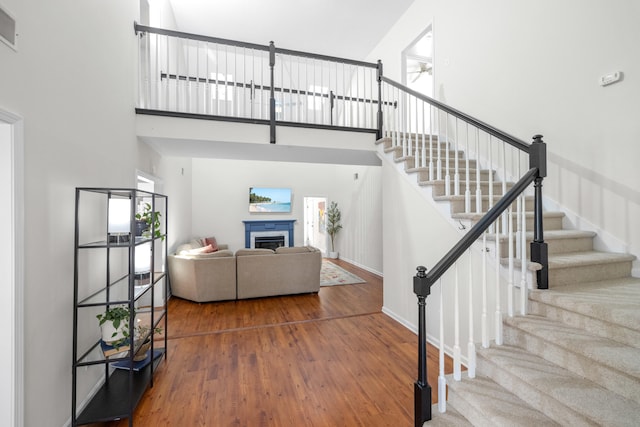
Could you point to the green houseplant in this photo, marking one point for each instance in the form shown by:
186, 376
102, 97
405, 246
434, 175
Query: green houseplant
114, 323
333, 226
152, 220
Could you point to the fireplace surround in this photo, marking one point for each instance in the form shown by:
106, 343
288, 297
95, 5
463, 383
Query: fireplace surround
268, 232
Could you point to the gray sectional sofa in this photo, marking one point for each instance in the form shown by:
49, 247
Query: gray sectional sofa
249, 273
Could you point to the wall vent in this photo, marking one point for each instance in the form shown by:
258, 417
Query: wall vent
7, 28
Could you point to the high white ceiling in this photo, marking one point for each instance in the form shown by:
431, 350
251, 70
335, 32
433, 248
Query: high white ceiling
342, 28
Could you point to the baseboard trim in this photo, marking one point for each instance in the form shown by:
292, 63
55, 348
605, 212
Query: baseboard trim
434, 341
364, 267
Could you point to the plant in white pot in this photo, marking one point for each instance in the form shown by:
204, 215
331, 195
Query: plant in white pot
333, 226
114, 323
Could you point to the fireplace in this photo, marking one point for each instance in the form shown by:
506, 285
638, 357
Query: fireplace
269, 242
270, 234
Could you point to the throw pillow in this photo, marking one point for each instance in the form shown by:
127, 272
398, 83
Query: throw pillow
211, 241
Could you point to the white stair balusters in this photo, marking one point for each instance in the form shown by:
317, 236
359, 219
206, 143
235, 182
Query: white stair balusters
457, 356
447, 175
498, 313
467, 190
478, 188
523, 260
456, 173
484, 318
471, 345
442, 382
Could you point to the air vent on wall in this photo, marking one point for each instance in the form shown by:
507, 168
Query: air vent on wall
7, 28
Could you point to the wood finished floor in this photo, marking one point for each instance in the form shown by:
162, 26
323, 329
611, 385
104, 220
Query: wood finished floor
326, 359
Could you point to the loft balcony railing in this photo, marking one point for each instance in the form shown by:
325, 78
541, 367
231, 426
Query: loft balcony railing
490, 178
207, 77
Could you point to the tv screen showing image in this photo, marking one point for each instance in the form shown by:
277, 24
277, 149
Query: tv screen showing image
269, 200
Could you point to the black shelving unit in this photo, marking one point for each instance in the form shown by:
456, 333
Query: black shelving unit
115, 267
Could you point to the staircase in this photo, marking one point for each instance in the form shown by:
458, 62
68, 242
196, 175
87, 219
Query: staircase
575, 359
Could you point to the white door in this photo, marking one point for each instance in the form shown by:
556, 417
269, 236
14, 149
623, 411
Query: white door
315, 223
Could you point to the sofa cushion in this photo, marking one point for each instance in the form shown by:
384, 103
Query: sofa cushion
184, 249
295, 249
201, 250
196, 243
258, 251
216, 254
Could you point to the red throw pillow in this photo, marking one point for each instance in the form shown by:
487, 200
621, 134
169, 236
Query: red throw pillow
211, 241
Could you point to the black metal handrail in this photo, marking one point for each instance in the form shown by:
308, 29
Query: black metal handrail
480, 227
511, 140
190, 36
423, 281
138, 28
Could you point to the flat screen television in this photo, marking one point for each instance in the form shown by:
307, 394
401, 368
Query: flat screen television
269, 200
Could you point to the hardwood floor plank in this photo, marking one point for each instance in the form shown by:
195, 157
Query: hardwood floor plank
326, 359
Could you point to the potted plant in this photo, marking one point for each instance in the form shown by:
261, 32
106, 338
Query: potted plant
333, 226
142, 332
148, 220
114, 323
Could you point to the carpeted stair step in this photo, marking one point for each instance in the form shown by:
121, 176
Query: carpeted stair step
439, 187
567, 398
410, 163
488, 404
457, 202
435, 150
588, 266
423, 175
609, 363
387, 141
608, 308
550, 220
558, 241
450, 418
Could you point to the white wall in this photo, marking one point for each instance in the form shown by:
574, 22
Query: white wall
72, 80
533, 67
220, 196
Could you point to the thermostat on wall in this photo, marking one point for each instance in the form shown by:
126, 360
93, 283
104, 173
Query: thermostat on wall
610, 78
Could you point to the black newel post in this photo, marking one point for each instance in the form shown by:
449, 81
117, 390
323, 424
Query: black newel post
379, 133
422, 389
272, 99
539, 250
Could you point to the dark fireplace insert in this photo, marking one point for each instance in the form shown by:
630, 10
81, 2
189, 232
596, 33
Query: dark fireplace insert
269, 242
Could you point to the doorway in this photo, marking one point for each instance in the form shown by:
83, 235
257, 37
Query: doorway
417, 63
315, 233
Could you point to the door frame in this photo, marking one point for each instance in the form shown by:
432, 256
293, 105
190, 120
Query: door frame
325, 248
14, 245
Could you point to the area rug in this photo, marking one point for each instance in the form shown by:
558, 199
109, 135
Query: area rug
331, 275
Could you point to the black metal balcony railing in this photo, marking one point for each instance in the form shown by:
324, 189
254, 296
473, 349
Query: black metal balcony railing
472, 163
192, 75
